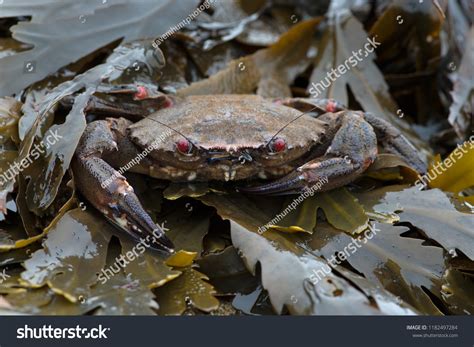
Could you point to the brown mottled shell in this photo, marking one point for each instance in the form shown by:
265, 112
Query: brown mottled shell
227, 121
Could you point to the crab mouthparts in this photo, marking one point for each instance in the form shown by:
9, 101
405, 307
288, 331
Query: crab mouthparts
229, 175
229, 158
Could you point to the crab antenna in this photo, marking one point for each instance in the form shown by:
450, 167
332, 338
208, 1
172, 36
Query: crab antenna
157, 121
291, 121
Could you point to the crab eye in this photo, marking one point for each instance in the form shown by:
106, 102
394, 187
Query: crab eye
184, 146
277, 145
142, 93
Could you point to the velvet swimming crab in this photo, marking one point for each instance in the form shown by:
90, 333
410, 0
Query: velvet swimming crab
292, 143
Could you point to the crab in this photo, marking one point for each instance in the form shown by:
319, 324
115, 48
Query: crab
291, 143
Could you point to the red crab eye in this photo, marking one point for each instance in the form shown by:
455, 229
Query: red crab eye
331, 106
142, 93
184, 146
278, 145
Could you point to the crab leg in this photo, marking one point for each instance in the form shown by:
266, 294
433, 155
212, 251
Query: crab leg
388, 136
393, 141
137, 101
107, 190
318, 106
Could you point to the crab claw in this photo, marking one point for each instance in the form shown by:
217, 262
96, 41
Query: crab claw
293, 183
318, 175
125, 210
117, 201
109, 192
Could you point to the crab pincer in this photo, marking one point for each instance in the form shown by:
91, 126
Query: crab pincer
108, 191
